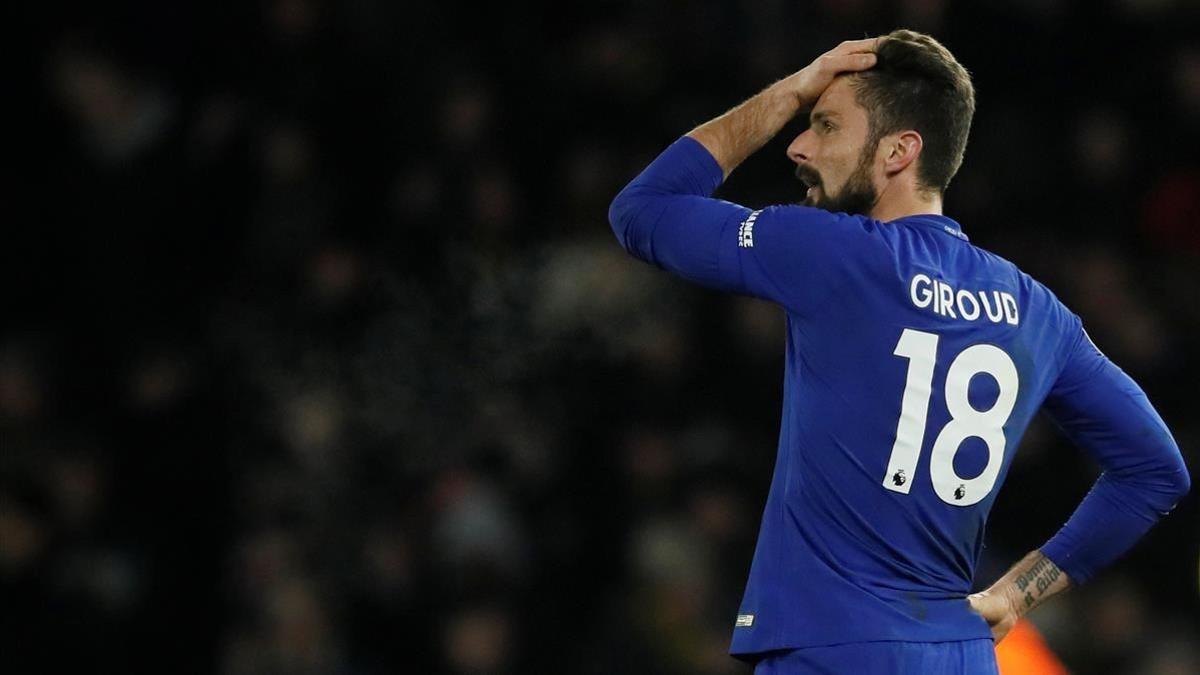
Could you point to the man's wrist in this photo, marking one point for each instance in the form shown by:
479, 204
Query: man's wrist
1032, 581
1014, 599
790, 87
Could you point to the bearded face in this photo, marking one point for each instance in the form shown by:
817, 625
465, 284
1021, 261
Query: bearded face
857, 195
836, 156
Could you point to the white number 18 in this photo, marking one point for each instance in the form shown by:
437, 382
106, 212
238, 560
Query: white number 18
920, 348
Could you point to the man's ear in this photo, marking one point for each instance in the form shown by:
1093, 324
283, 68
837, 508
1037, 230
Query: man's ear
902, 150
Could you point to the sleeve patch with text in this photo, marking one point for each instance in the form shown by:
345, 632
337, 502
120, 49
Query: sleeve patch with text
746, 230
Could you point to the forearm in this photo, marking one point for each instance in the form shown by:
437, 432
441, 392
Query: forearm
1031, 582
739, 133
1110, 521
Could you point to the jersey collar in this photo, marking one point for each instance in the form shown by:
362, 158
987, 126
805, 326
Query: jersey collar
935, 221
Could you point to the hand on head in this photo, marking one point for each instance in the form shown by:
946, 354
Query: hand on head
850, 56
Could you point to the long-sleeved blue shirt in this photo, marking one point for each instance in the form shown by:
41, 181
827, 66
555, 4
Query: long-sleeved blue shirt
914, 363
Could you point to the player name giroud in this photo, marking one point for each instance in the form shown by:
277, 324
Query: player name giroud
944, 299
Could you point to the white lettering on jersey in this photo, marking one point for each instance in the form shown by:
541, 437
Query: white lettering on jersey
944, 299
920, 297
744, 621
746, 230
964, 298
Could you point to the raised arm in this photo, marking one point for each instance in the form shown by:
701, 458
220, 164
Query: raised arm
667, 216
739, 133
1104, 412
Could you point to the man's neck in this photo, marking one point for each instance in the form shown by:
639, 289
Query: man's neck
905, 203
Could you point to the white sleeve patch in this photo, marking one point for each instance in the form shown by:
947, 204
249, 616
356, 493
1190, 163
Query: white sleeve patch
744, 621
746, 236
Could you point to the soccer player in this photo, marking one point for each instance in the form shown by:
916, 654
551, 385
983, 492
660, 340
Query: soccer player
914, 363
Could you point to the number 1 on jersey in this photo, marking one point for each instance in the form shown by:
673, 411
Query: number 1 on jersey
920, 348
921, 351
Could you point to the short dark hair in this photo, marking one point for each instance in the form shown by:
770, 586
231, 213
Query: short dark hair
917, 84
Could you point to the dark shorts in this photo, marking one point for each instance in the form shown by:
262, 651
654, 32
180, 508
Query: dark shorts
969, 657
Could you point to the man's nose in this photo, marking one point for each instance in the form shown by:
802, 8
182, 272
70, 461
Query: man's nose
800, 151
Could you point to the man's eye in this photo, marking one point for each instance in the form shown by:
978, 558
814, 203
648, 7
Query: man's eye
827, 125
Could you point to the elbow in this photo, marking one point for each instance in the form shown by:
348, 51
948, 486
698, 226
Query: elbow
1159, 481
1175, 473
1173, 487
617, 215
1181, 481
1171, 479
622, 215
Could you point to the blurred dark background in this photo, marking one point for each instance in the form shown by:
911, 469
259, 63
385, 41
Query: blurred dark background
318, 354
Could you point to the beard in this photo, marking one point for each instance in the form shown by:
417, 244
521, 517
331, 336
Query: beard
857, 196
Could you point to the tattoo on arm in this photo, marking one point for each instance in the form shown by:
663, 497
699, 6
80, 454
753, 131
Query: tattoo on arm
1034, 582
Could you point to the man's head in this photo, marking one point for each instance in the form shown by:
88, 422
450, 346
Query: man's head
900, 126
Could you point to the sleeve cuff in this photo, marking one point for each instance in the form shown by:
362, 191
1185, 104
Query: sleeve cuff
703, 165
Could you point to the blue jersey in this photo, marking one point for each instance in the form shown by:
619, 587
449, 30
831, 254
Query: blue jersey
915, 361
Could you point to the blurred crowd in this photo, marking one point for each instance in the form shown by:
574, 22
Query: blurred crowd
319, 355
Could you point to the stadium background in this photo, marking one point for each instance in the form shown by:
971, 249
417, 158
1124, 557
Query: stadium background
318, 354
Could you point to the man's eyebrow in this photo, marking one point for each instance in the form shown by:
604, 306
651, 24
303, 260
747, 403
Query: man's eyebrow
817, 116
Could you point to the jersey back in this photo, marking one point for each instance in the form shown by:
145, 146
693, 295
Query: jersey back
913, 367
